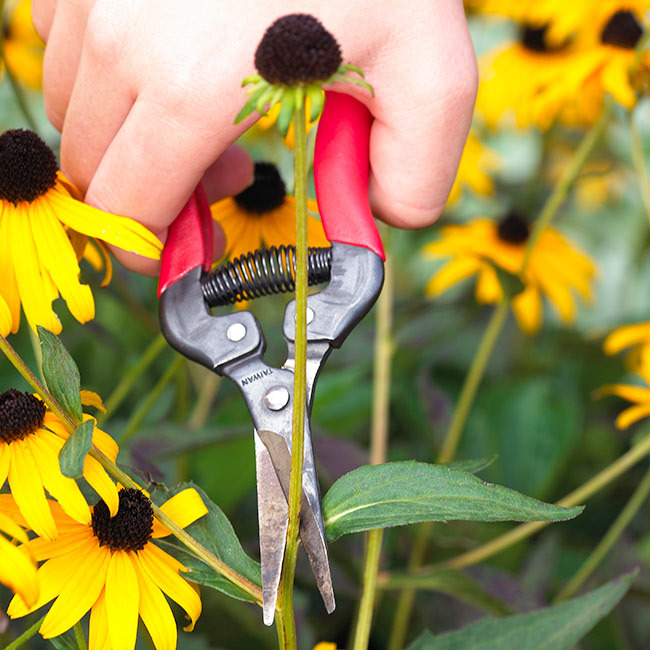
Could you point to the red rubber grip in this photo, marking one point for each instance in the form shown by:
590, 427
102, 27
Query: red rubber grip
341, 169
189, 241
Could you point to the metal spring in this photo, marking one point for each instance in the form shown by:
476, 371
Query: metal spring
261, 273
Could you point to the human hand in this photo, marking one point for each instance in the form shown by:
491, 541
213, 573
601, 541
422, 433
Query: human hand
145, 93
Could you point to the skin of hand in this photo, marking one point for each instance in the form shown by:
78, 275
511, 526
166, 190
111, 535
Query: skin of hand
145, 93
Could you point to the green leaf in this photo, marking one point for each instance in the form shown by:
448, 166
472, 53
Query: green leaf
216, 534
66, 641
551, 628
511, 284
471, 466
74, 450
453, 583
395, 494
286, 113
61, 374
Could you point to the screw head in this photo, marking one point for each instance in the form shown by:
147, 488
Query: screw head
276, 398
236, 332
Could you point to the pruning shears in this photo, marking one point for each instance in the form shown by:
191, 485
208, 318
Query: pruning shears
232, 344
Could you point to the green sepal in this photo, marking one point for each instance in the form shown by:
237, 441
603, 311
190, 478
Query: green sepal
246, 110
264, 98
75, 449
348, 67
286, 113
316, 98
252, 78
341, 78
61, 374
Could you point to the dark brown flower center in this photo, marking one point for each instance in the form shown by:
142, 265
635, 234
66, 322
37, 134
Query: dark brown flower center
27, 166
297, 49
130, 529
533, 38
513, 229
20, 415
622, 30
266, 193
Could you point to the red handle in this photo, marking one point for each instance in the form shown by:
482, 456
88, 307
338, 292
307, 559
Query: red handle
189, 241
341, 169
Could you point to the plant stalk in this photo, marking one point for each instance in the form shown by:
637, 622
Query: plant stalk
378, 446
638, 160
607, 542
125, 480
26, 635
285, 595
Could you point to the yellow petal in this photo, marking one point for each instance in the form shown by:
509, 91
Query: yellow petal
90, 398
84, 583
59, 258
183, 509
104, 443
560, 297
631, 415
5, 458
527, 307
98, 637
12, 529
488, 288
155, 611
626, 336
156, 564
45, 447
630, 393
26, 487
101, 482
122, 600
8, 286
18, 572
69, 542
6, 321
122, 232
450, 274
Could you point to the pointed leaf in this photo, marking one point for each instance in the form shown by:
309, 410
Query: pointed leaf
395, 494
215, 533
551, 628
61, 374
73, 453
66, 641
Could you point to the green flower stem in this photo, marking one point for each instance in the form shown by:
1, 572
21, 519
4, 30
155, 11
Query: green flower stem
149, 401
30, 632
577, 497
479, 363
607, 542
473, 381
79, 636
378, 446
128, 380
285, 595
17, 90
638, 160
124, 479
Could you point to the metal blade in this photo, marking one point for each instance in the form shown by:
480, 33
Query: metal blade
312, 529
273, 517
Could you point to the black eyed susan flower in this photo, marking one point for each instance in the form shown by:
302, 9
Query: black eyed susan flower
480, 247
44, 231
17, 566
31, 438
111, 567
21, 45
264, 215
294, 59
473, 171
636, 337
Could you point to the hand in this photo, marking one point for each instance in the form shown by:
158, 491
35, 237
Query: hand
145, 93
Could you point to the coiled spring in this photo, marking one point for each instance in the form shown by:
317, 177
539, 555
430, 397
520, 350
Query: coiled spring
261, 273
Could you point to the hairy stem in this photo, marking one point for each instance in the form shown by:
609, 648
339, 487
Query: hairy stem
378, 445
285, 595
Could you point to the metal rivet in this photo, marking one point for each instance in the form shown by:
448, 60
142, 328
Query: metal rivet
310, 315
276, 398
236, 332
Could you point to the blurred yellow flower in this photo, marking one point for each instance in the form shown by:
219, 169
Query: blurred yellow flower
17, 566
639, 396
324, 645
637, 337
264, 215
31, 438
21, 45
44, 231
111, 567
478, 248
476, 162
